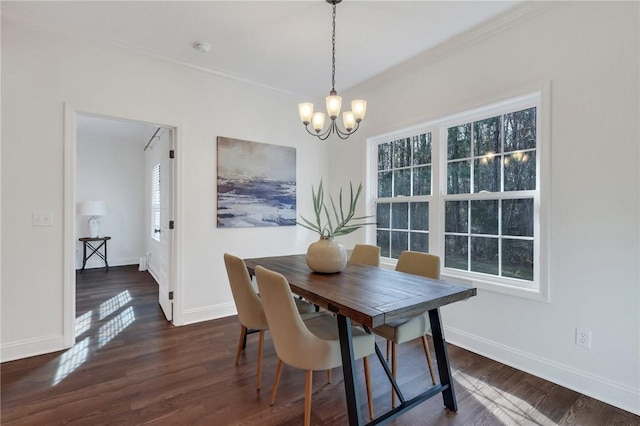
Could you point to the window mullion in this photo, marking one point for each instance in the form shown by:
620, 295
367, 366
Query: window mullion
472, 163
469, 235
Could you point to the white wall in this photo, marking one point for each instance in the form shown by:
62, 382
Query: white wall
590, 53
40, 72
111, 169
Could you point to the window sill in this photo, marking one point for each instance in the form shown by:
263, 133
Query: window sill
530, 294
535, 294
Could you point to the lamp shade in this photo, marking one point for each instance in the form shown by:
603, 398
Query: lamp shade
306, 112
92, 208
318, 121
348, 120
334, 103
359, 108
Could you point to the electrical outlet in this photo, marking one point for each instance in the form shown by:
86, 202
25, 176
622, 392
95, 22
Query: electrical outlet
583, 337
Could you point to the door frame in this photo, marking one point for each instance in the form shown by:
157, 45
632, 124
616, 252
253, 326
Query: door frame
69, 211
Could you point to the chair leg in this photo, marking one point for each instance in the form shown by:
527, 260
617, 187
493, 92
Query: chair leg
243, 333
276, 382
425, 345
367, 379
307, 397
260, 346
394, 369
388, 342
328, 376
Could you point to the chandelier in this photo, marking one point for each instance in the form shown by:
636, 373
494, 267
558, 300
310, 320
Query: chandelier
350, 119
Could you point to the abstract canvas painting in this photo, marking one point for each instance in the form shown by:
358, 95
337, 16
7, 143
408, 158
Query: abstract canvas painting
256, 184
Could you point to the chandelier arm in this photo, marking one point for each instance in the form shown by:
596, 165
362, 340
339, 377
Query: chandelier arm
322, 136
333, 128
345, 134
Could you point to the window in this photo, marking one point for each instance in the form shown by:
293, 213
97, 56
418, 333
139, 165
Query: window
467, 188
402, 205
495, 158
155, 202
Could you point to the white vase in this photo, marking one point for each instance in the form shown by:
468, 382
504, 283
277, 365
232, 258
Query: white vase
326, 256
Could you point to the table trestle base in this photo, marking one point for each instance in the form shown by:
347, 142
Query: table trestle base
408, 405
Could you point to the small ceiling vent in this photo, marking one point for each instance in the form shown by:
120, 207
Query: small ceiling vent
202, 46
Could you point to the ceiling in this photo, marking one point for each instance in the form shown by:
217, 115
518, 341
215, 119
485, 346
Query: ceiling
285, 45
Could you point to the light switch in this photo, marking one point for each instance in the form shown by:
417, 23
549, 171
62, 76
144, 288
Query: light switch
42, 218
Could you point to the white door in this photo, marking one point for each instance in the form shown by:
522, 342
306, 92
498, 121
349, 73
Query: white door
161, 228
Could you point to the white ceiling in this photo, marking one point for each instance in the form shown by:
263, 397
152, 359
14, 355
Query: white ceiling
285, 45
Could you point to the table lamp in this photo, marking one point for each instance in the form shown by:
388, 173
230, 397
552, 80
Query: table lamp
93, 209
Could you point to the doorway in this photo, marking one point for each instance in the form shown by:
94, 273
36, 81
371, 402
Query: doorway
113, 158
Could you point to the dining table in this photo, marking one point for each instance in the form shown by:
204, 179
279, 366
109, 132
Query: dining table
370, 297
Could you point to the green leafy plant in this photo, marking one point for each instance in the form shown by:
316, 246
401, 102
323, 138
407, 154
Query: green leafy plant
337, 222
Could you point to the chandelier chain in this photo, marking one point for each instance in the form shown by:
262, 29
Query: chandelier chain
333, 50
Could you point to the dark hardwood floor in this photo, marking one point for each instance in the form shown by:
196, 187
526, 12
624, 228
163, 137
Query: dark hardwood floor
130, 367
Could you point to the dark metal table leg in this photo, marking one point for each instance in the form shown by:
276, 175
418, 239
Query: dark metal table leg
105, 255
84, 256
442, 358
96, 251
349, 371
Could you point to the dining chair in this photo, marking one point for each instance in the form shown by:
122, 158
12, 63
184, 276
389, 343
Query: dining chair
249, 307
401, 331
365, 254
309, 345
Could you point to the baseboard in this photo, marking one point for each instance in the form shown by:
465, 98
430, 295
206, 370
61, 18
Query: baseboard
153, 273
98, 263
124, 261
207, 313
31, 347
618, 395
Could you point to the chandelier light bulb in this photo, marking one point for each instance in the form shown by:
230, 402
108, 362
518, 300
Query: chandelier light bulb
306, 112
359, 108
334, 103
348, 120
318, 121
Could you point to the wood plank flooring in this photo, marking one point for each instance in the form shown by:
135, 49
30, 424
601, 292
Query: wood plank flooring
130, 367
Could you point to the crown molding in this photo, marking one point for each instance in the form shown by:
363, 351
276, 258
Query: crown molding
497, 25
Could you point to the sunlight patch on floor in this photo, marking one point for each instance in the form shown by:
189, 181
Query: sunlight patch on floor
115, 303
115, 326
79, 353
508, 408
71, 360
83, 323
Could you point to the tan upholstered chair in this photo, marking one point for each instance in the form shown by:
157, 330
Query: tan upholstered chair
365, 254
309, 345
249, 306
398, 332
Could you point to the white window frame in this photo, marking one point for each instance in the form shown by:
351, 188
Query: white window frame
535, 95
405, 198
155, 206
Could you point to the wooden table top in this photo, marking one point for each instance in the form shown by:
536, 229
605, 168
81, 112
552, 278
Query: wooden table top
94, 238
369, 295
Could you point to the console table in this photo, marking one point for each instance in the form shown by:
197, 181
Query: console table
87, 242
